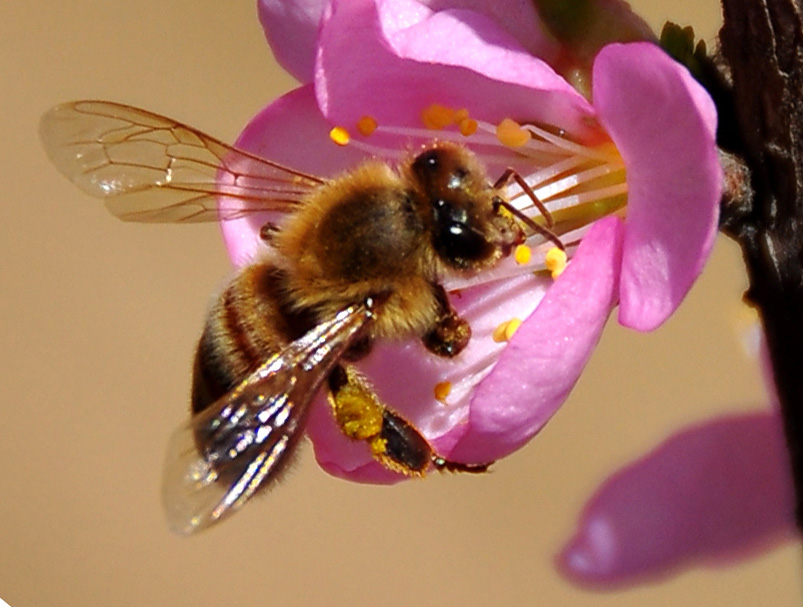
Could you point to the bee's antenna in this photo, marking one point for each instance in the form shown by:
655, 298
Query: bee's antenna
525, 187
528, 221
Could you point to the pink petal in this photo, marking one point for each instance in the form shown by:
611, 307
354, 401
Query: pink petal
290, 131
340, 456
712, 493
416, 59
441, 36
541, 364
518, 17
291, 28
663, 124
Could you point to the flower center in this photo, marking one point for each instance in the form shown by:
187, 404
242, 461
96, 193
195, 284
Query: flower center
576, 183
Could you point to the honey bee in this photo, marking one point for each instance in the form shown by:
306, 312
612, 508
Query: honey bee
355, 258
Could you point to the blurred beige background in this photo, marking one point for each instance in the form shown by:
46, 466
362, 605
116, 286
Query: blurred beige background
99, 320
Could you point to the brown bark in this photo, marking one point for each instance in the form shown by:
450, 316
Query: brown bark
762, 43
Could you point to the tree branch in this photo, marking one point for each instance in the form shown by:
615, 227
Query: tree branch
762, 42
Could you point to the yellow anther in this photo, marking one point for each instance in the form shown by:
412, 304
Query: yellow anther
468, 126
366, 125
437, 117
499, 333
510, 133
555, 261
339, 135
512, 326
442, 390
522, 254
506, 330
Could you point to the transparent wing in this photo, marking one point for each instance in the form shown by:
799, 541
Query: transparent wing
219, 459
153, 169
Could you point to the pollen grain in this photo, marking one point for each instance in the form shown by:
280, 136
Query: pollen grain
468, 126
522, 254
504, 332
339, 135
512, 326
366, 125
442, 390
437, 117
510, 133
555, 261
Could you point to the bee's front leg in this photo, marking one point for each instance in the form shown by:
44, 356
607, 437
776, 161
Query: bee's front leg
450, 333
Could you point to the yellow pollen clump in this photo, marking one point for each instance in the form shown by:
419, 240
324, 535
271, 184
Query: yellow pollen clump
339, 135
506, 330
442, 390
522, 254
510, 133
366, 125
437, 117
555, 261
378, 446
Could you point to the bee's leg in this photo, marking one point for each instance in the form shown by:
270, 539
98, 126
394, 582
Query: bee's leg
268, 232
395, 443
359, 349
450, 333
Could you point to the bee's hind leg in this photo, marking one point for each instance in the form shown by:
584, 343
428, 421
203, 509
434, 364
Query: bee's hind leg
394, 442
450, 333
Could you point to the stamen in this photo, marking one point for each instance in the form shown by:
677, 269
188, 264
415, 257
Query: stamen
499, 333
574, 183
601, 152
555, 261
442, 390
437, 117
468, 126
522, 254
510, 133
512, 326
339, 135
506, 330
366, 125
575, 180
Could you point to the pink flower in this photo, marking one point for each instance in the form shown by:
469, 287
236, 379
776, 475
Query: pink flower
393, 59
710, 494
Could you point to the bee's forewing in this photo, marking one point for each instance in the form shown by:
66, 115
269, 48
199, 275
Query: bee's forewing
223, 455
153, 169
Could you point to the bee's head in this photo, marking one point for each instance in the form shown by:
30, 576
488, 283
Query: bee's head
468, 229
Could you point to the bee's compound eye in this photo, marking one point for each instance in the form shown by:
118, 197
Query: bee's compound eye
455, 239
458, 242
427, 164
430, 159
